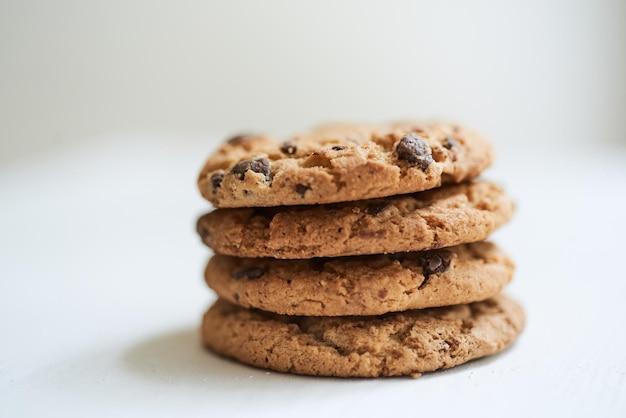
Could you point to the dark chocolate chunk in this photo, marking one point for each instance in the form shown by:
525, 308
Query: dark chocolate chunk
258, 165
240, 139
434, 262
450, 143
338, 148
216, 179
414, 150
301, 189
375, 208
249, 273
289, 148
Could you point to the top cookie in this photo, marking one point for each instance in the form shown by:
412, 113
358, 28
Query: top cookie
342, 163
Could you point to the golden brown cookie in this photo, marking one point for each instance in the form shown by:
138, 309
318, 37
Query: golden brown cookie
406, 343
362, 285
342, 163
443, 217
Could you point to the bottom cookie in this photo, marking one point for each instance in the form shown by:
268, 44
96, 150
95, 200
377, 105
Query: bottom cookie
404, 343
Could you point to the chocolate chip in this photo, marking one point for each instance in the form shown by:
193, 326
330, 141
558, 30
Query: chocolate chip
240, 139
338, 148
434, 262
249, 273
450, 143
375, 208
437, 261
289, 148
301, 189
415, 151
216, 180
258, 165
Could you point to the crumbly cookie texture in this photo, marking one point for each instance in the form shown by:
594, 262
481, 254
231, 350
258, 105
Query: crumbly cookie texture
342, 163
365, 285
406, 343
443, 217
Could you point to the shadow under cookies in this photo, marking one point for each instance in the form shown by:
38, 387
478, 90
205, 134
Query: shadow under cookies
179, 355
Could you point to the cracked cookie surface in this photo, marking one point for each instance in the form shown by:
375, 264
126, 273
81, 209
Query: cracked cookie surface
342, 163
362, 285
406, 343
443, 217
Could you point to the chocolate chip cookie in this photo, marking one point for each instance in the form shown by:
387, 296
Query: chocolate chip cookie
363, 285
406, 343
342, 163
443, 217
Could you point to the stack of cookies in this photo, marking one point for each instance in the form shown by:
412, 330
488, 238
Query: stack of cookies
357, 250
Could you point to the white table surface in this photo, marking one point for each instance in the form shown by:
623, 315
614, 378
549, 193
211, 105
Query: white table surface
101, 294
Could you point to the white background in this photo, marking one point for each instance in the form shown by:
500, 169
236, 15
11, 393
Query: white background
532, 71
108, 110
